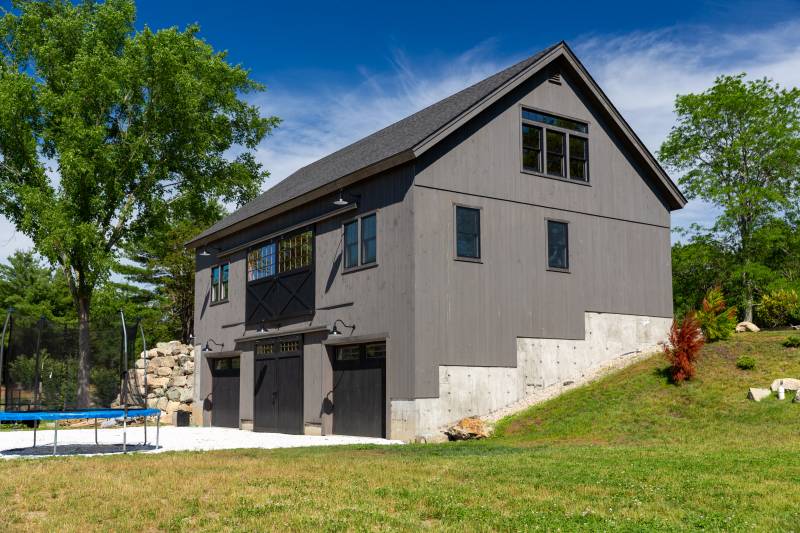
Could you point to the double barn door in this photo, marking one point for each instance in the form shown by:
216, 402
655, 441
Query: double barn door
278, 400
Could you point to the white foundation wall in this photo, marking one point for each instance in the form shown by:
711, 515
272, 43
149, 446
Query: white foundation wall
545, 368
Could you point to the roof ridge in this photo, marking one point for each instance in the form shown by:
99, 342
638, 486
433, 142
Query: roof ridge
389, 141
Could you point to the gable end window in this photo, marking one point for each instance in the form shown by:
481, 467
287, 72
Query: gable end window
361, 242
219, 283
558, 245
555, 146
468, 232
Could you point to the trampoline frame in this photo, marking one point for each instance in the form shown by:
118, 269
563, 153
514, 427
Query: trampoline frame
124, 411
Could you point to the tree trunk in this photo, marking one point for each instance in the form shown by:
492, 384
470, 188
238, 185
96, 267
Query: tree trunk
748, 301
84, 352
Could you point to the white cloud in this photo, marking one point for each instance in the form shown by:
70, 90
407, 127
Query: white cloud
322, 120
642, 73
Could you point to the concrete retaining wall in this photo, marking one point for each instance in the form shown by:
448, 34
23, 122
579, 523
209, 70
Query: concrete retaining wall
545, 368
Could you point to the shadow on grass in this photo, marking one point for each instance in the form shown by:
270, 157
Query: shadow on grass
75, 449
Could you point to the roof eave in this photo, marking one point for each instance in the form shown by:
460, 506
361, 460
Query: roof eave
329, 188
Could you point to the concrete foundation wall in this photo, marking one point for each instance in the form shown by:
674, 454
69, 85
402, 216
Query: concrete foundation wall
545, 368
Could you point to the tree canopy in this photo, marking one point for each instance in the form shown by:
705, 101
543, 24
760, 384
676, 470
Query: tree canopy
103, 128
737, 146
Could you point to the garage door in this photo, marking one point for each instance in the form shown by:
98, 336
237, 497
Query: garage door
225, 392
278, 401
359, 390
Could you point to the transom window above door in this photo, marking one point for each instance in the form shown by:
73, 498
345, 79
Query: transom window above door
285, 254
555, 146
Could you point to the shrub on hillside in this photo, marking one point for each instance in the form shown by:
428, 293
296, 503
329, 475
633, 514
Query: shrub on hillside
792, 341
685, 341
716, 319
746, 362
779, 308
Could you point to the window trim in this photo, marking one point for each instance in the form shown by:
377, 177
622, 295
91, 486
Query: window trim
456, 257
219, 299
547, 221
568, 132
360, 265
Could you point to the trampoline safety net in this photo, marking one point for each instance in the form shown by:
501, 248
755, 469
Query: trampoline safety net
40, 365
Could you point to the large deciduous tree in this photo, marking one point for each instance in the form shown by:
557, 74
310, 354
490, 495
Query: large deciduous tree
738, 146
103, 126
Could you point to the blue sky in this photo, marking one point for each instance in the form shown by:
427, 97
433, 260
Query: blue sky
336, 71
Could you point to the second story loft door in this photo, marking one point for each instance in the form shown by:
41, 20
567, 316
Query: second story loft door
280, 279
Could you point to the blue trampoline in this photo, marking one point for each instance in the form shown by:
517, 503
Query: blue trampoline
127, 401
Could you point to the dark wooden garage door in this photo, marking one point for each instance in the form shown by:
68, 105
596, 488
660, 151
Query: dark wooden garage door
225, 392
278, 401
359, 390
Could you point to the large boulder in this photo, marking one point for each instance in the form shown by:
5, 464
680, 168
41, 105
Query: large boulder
467, 429
172, 407
162, 403
178, 381
741, 327
788, 384
163, 371
757, 395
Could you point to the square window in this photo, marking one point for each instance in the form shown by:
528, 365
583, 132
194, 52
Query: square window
468, 232
557, 245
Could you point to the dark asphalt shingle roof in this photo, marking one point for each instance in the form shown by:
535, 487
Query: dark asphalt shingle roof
390, 141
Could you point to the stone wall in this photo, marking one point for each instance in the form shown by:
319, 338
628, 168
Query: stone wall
170, 377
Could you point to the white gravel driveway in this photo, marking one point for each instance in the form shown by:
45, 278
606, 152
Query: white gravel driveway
15, 444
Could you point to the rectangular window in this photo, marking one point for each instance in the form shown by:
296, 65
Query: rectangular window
261, 262
553, 120
376, 351
215, 284
351, 244
219, 283
555, 153
531, 148
555, 145
368, 240
264, 349
361, 241
295, 252
223, 284
468, 232
578, 158
557, 245
348, 353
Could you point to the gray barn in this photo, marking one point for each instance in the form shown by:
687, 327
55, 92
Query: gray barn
489, 250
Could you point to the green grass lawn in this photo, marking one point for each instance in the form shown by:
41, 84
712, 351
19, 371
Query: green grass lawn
630, 452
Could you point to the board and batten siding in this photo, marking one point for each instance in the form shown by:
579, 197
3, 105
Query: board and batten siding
471, 313
377, 300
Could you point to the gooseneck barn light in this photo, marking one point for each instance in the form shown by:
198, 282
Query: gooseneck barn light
334, 331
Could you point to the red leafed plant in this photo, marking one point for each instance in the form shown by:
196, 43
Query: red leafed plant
685, 341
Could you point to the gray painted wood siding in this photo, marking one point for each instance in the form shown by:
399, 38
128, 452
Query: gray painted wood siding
471, 313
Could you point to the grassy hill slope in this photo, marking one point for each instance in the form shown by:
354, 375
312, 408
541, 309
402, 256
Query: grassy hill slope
631, 452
